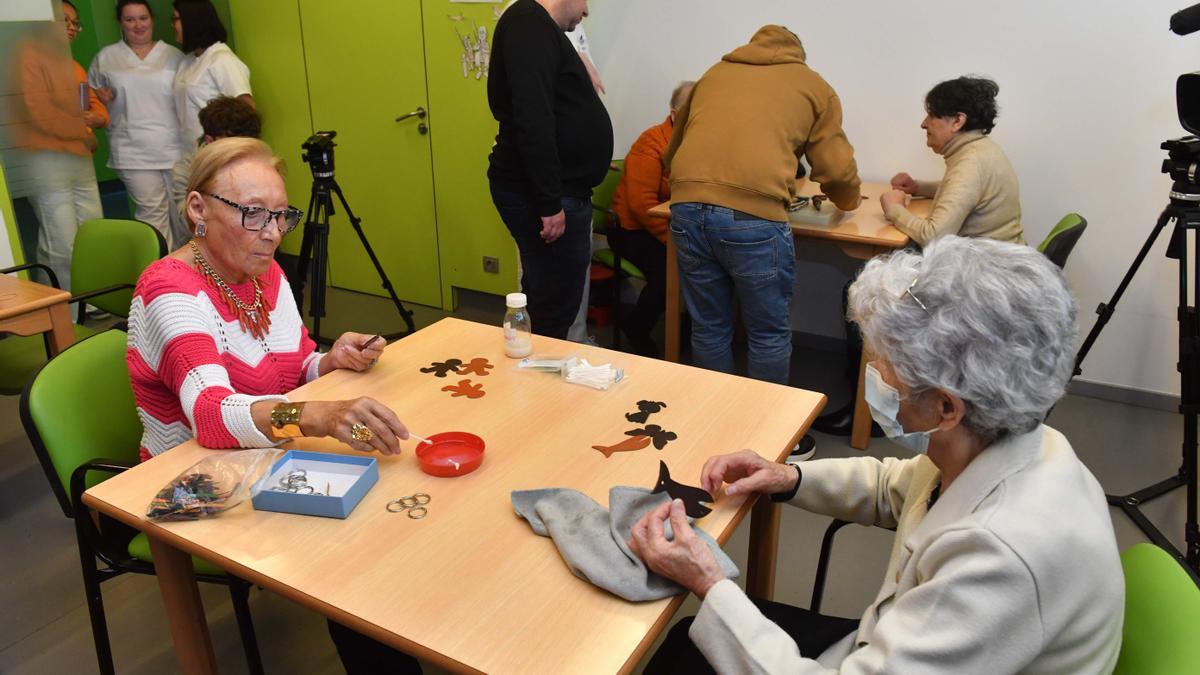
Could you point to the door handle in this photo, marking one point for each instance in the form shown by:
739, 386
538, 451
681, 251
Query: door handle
419, 112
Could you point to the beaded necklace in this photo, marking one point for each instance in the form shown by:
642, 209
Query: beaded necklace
251, 317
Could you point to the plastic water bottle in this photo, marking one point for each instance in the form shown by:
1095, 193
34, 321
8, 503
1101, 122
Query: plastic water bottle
518, 331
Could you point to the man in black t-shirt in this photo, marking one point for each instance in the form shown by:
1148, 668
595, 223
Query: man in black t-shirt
554, 145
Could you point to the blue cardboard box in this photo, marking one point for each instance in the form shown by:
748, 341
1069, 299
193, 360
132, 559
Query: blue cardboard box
347, 477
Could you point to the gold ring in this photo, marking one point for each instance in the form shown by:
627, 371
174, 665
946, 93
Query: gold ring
361, 432
418, 512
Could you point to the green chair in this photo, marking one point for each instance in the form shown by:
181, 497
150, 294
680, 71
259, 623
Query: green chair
112, 254
1062, 239
79, 413
603, 218
1162, 614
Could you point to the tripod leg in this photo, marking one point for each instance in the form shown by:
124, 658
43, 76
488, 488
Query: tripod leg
305, 251
356, 223
1189, 369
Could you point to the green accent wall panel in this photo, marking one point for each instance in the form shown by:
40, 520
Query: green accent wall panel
280, 84
463, 132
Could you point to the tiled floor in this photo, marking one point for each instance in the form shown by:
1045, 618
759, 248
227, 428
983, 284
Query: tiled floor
45, 628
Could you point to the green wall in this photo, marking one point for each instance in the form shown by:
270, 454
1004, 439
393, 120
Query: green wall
10, 221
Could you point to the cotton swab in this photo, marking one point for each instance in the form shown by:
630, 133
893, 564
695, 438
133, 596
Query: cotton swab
423, 440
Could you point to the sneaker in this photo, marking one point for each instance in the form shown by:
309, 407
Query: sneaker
94, 312
804, 450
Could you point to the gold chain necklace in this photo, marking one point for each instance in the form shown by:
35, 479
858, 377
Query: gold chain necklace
250, 315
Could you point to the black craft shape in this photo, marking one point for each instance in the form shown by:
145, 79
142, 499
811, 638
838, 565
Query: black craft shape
691, 496
656, 433
442, 368
646, 409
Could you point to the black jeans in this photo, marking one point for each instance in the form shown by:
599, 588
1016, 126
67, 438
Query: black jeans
650, 255
813, 633
552, 275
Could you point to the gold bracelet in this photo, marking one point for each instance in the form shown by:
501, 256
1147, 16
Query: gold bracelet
285, 421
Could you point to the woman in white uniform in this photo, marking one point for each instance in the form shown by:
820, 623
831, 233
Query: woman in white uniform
209, 69
134, 77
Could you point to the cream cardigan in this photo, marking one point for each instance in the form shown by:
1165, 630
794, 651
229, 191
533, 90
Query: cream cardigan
1014, 569
978, 196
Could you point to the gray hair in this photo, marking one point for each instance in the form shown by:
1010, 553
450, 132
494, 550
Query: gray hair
998, 328
677, 93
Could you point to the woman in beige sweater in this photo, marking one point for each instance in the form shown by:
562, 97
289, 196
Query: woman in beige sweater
979, 195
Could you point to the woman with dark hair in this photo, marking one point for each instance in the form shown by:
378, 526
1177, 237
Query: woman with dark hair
978, 196
209, 69
134, 78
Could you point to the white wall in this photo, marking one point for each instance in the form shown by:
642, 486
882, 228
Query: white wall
1086, 96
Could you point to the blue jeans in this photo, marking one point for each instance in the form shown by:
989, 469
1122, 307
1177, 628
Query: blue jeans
725, 254
552, 275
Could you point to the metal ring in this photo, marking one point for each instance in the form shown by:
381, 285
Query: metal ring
305, 490
361, 432
412, 513
421, 498
298, 473
396, 502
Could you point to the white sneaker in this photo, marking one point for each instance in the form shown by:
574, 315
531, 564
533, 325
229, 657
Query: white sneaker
804, 450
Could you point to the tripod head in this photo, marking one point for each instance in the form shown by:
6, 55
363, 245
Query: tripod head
1183, 165
318, 152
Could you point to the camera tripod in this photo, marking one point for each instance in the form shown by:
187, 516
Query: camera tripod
1184, 212
314, 255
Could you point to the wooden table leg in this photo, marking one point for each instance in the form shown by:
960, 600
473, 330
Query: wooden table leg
62, 334
672, 316
185, 613
860, 428
764, 544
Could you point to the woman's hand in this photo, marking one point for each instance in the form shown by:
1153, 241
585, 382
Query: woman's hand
686, 560
904, 183
105, 95
746, 472
891, 197
337, 419
350, 353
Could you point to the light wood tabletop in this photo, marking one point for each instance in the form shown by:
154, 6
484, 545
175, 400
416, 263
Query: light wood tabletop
28, 308
863, 234
471, 587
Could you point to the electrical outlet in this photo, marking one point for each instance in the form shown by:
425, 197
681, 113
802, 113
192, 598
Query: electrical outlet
491, 265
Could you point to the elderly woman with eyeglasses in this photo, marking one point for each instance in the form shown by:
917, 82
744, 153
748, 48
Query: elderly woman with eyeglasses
216, 340
1004, 559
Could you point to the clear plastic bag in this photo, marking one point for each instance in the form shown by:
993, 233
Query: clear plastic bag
214, 484
575, 370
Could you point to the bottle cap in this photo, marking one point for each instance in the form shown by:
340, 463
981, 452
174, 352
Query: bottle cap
515, 300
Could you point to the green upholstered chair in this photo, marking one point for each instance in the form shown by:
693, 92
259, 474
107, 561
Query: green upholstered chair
1162, 614
111, 254
1062, 239
79, 413
602, 219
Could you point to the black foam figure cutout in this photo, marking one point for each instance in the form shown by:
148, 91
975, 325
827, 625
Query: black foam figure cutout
691, 496
442, 368
656, 433
646, 409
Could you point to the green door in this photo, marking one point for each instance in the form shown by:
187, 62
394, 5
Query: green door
366, 67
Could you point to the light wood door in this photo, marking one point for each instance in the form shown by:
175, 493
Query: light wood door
366, 67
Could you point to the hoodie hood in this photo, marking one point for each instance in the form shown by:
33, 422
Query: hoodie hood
770, 45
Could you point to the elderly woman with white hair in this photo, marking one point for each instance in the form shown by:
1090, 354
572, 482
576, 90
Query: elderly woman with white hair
974, 341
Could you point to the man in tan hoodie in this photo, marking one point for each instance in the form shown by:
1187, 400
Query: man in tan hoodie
733, 158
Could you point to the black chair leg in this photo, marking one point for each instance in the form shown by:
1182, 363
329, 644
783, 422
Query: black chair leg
823, 563
616, 318
239, 592
95, 602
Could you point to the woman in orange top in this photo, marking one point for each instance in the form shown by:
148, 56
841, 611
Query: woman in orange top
640, 237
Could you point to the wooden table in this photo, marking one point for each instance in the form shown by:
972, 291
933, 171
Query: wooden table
471, 587
861, 234
28, 308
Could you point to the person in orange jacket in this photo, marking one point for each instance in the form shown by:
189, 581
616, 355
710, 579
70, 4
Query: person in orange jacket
57, 142
640, 237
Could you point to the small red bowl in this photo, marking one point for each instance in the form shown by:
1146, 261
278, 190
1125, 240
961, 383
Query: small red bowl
450, 454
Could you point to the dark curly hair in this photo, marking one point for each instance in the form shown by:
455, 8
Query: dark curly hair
202, 27
226, 116
974, 97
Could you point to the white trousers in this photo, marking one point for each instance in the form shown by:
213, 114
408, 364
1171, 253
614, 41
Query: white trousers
64, 195
150, 190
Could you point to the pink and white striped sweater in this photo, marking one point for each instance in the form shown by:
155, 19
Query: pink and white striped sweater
195, 372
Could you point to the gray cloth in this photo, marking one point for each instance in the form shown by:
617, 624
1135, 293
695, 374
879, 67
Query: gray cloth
594, 542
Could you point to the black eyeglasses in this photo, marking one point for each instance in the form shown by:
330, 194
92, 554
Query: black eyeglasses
255, 218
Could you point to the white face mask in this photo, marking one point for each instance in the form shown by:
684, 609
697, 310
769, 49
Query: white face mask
884, 401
